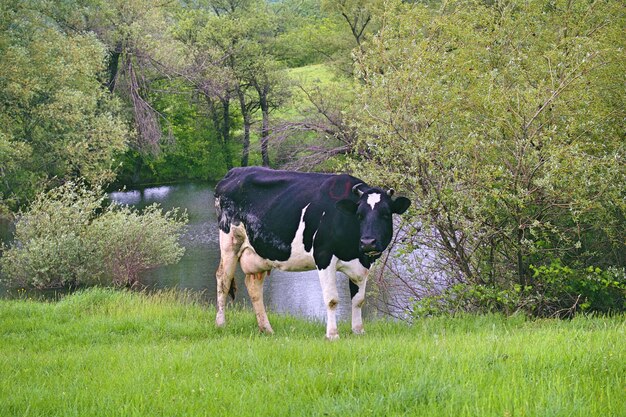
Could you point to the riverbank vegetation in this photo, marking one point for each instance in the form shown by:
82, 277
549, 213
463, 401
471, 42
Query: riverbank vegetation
70, 237
503, 121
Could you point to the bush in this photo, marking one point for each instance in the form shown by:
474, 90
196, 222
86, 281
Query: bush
561, 290
69, 237
557, 291
129, 242
51, 248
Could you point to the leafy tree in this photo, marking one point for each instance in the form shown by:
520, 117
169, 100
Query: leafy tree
298, 24
360, 18
57, 120
230, 44
505, 122
137, 46
195, 153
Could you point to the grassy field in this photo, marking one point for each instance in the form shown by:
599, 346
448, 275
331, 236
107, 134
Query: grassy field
114, 353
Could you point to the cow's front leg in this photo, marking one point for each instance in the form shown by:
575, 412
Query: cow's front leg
254, 284
357, 292
328, 280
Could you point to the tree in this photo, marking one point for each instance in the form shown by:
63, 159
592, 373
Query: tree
357, 14
321, 134
504, 121
231, 43
361, 18
134, 36
57, 120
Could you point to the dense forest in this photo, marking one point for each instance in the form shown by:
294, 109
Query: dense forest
503, 121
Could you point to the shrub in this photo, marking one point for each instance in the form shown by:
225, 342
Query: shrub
69, 237
507, 131
51, 248
129, 242
561, 290
557, 291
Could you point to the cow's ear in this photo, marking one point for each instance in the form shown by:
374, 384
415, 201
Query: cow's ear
400, 204
347, 206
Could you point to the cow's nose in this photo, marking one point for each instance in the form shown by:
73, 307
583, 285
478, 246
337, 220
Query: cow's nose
368, 244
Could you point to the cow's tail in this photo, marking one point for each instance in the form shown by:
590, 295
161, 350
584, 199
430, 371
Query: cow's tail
233, 289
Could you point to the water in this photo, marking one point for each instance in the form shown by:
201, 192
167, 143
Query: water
297, 293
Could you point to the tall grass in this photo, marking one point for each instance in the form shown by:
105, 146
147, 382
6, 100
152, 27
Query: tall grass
115, 353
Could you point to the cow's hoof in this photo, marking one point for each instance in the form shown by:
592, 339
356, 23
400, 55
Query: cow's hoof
266, 330
220, 321
333, 336
358, 330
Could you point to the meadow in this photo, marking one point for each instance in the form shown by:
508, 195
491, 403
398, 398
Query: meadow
103, 352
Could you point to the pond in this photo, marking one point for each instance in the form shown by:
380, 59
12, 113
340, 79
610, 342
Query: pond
297, 293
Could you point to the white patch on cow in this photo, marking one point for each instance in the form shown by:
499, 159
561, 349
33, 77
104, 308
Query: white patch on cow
354, 269
372, 199
300, 259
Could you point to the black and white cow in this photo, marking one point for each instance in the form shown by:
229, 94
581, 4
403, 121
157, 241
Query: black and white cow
297, 221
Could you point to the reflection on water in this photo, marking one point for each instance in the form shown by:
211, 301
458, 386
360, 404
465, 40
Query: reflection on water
297, 293
127, 197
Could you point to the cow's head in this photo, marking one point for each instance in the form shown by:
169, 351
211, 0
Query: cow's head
373, 211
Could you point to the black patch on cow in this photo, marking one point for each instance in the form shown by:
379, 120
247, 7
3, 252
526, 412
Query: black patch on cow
354, 289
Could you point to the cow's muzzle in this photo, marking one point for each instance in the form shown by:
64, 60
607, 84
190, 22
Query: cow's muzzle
368, 247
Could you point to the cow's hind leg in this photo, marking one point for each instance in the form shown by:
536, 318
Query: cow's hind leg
229, 249
254, 283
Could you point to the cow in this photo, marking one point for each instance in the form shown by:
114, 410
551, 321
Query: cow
296, 221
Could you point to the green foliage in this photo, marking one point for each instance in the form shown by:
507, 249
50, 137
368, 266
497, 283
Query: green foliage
505, 123
193, 154
460, 298
129, 242
51, 248
69, 238
103, 352
561, 290
56, 118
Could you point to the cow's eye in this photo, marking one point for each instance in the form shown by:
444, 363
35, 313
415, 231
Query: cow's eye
385, 216
359, 216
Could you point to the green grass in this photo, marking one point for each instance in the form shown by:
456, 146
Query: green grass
113, 353
310, 75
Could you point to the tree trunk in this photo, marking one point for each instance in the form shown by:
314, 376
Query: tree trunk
245, 152
265, 127
114, 61
136, 177
228, 157
222, 127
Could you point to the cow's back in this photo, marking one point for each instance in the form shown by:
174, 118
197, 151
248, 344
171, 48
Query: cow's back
271, 204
